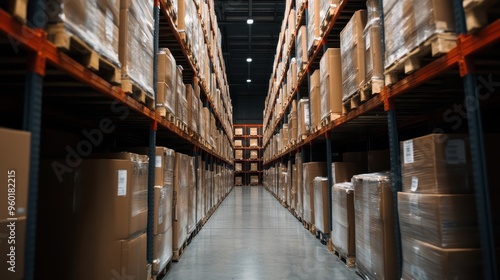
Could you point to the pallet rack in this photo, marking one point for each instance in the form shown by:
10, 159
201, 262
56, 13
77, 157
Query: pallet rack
60, 92
414, 102
246, 162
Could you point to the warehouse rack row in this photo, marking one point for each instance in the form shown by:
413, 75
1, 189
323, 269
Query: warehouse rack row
56, 94
248, 154
414, 101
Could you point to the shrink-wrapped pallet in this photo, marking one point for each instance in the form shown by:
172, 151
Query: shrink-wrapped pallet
311, 170
331, 83
343, 228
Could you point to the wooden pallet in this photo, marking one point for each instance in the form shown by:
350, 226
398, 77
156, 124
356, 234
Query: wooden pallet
137, 93
81, 52
372, 87
328, 119
313, 47
301, 14
354, 101
323, 238
436, 45
178, 254
18, 9
350, 261
476, 14
161, 274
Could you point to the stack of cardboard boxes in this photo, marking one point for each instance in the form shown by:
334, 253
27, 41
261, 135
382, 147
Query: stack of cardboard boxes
343, 227
331, 83
311, 170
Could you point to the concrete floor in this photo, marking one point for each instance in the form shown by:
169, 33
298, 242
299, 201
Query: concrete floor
251, 236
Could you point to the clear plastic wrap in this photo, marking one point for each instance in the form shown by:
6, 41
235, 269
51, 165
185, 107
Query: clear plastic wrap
311, 170
321, 209
407, 25
254, 154
300, 189
162, 252
182, 104
437, 163
94, 22
424, 261
167, 78
191, 224
238, 166
448, 221
180, 202
352, 48
313, 23
374, 220
301, 48
136, 43
192, 108
315, 99
331, 83
304, 122
254, 142
343, 236
326, 5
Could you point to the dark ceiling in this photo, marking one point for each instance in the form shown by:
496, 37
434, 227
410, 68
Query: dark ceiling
241, 40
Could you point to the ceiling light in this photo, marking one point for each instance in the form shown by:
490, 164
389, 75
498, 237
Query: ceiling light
249, 81
249, 21
249, 59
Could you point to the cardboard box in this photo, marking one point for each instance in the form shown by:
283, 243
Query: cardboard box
18, 227
162, 209
331, 83
293, 191
167, 81
343, 227
254, 142
254, 179
191, 180
238, 154
374, 67
254, 154
162, 250
374, 220
311, 170
315, 99
321, 209
304, 121
254, 166
238, 131
164, 164
238, 166
301, 48
238, 181
300, 184
180, 202
352, 47
238, 143
436, 163
200, 214
343, 171
254, 131
425, 261
313, 23
15, 151
447, 221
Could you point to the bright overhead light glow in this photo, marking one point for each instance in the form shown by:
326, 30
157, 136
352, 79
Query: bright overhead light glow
249, 21
249, 81
249, 59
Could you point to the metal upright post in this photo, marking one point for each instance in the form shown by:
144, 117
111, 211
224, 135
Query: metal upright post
32, 122
478, 155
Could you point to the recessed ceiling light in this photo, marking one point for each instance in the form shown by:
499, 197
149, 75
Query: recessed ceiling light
249, 59
249, 81
249, 21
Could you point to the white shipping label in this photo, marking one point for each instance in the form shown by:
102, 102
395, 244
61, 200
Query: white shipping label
158, 162
408, 151
414, 184
455, 151
122, 182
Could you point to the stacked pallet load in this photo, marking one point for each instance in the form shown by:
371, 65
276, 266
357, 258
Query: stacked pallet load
331, 86
180, 206
311, 170
321, 209
437, 210
343, 226
413, 31
167, 84
192, 222
374, 226
374, 67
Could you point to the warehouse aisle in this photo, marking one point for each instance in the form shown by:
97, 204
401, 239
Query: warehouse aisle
251, 236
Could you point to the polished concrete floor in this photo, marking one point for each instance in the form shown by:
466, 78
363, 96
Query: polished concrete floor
251, 236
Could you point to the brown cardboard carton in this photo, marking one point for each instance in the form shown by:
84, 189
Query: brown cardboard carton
254, 143
254, 179
331, 83
343, 171
311, 170
15, 151
315, 99
300, 187
374, 220
301, 48
313, 23
162, 250
163, 209
164, 163
254, 154
304, 121
374, 67
293, 192
191, 179
321, 209
447, 221
425, 261
238, 131
180, 202
253, 166
12, 266
238, 143
436, 163
238, 154
254, 131
343, 227
238, 166
200, 195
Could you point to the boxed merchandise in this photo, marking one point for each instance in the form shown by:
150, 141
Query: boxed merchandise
343, 228
289, 184
191, 176
238, 166
352, 48
254, 154
254, 179
192, 109
303, 119
374, 220
15, 151
6, 228
437, 163
162, 252
301, 49
181, 113
448, 221
331, 83
321, 209
315, 99
254, 142
343, 171
164, 164
136, 45
238, 131
238, 154
311, 170
293, 190
326, 5
374, 67
293, 74
425, 261
300, 181
313, 23
238, 181
238, 143
254, 131
167, 82
180, 202
253, 166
